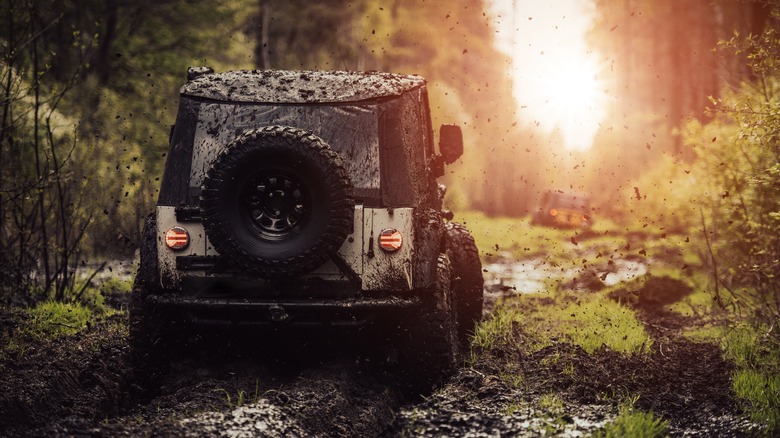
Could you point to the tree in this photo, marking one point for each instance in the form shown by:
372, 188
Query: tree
661, 56
86, 90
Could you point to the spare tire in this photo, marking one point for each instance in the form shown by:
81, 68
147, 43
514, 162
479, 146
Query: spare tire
277, 202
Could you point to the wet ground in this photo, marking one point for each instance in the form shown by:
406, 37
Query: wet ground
87, 384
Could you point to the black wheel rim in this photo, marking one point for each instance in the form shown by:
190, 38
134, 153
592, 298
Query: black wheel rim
275, 204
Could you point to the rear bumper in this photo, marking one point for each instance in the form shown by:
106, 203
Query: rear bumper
242, 311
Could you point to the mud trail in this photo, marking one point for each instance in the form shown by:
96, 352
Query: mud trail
684, 382
88, 385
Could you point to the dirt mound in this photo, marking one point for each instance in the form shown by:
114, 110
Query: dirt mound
81, 376
87, 384
682, 381
653, 295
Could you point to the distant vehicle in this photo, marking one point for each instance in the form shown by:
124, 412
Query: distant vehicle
563, 210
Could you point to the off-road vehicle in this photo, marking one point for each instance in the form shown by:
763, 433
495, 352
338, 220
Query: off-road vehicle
294, 198
563, 209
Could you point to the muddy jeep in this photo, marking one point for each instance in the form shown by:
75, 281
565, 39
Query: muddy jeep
294, 198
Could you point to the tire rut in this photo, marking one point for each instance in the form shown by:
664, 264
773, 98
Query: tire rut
87, 385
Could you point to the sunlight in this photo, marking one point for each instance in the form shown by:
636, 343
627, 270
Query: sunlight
575, 100
558, 78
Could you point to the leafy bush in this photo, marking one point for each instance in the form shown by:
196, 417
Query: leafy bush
737, 170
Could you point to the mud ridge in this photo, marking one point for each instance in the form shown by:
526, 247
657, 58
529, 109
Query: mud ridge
84, 375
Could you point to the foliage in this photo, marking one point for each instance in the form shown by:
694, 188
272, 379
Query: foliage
649, 200
661, 71
40, 197
84, 93
738, 170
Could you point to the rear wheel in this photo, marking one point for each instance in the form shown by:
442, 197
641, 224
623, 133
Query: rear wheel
467, 281
428, 346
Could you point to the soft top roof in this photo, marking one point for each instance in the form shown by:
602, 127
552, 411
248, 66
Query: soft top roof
291, 86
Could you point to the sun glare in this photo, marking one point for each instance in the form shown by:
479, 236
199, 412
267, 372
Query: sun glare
557, 77
574, 102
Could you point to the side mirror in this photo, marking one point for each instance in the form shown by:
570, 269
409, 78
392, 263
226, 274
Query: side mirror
450, 143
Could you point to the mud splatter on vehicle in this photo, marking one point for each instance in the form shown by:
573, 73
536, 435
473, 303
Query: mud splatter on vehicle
308, 198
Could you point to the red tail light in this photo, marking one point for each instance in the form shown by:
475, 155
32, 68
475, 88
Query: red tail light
390, 239
553, 212
177, 238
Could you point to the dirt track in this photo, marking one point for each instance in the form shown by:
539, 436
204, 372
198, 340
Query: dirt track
86, 385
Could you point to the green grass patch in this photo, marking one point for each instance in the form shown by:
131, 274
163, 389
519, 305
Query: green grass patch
93, 295
512, 378
45, 322
551, 403
633, 423
759, 393
497, 330
706, 333
521, 239
592, 321
52, 319
511, 408
756, 382
116, 284
757, 379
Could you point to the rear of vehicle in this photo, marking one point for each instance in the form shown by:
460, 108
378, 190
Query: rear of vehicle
308, 199
330, 224
562, 209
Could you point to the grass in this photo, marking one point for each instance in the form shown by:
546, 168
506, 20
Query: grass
591, 321
52, 319
511, 408
49, 320
595, 322
527, 323
756, 380
512, 378
46, 321
517, 236
759, 393
521, 239
633, 423
551, 403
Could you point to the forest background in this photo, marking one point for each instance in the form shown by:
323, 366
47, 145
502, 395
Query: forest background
88, 92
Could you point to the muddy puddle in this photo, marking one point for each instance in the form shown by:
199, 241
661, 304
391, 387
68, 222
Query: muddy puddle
506, 275
476, 404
